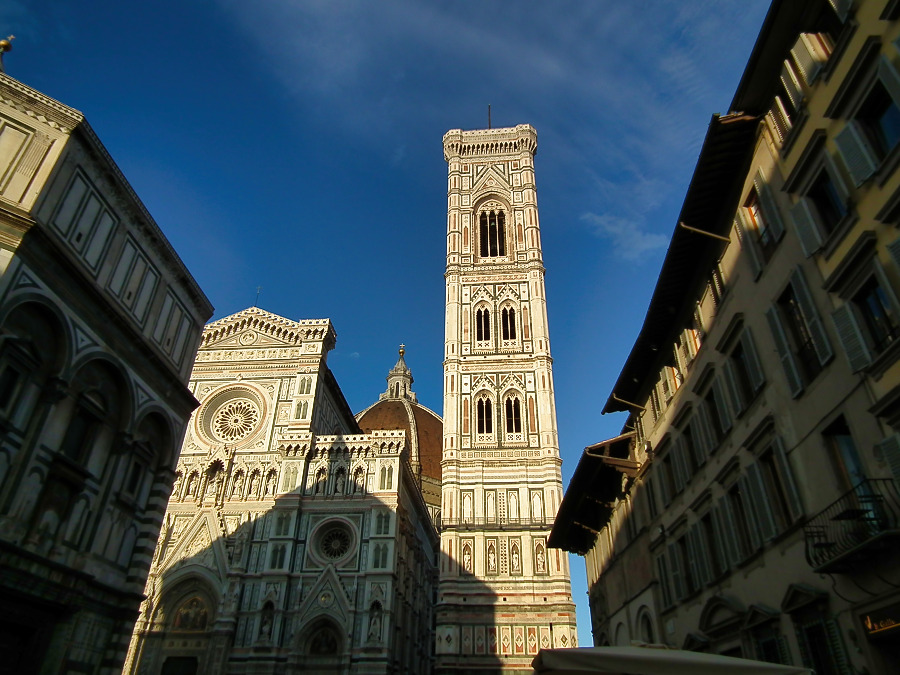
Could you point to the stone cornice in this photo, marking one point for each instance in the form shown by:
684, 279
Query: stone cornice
35, 104
490, 142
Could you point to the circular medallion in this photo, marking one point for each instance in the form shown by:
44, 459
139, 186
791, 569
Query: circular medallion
235, 420
248, 338
334, 541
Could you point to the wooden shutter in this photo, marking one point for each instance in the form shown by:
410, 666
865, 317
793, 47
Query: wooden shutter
666, 481
890, 450
676, 572
765, 519
851, 337
894, 250
681, 471
890, 78
718, 525
662, 573
698, 558
734, 389
748, 243
769, 207
841, 7
809, 56
805, 224
727, 529
721, 404
754, 367
856, 151
751, 524
795, 383
791, 85
787, 480
811, 314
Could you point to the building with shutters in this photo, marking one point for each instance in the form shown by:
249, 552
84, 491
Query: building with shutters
750, 506
99, 324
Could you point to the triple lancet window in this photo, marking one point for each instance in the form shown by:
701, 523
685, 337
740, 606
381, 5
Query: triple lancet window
492, 233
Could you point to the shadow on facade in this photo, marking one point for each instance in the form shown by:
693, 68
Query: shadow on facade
324, 583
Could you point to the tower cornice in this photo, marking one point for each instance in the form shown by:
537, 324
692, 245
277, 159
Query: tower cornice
490, 142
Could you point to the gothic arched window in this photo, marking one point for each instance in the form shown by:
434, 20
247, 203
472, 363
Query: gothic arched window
513, 415
484, 415
508, 323
483, 324
492, 233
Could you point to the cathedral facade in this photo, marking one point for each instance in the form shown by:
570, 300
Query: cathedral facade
502, 595
294, 541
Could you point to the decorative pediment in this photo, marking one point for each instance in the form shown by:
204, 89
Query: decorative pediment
758, 615
200, 545
512, 381
481, 293
484, 382
799, 596
327, 596
508, 292
721, 616
490, 179
694, 642
254, 327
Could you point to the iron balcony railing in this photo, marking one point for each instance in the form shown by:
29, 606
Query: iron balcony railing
862, 522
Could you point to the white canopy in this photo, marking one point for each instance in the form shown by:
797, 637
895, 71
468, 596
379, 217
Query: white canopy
651, 661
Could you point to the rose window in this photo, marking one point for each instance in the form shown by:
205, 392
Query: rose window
235, 420
335, 542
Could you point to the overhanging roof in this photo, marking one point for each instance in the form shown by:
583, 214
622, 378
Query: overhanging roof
592, 492
709, 205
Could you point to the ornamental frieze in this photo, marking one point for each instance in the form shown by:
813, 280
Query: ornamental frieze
250, 354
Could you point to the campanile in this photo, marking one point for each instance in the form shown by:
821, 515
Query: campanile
502, 594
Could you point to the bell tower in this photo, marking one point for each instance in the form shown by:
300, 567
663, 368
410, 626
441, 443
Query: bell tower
502, 594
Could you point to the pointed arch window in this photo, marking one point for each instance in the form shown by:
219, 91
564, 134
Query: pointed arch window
513, 415
508, 323
483, 324
484, 415
492, 233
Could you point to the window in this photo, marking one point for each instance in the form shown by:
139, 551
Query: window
276, 562
799, 72
82, 429
508, 323
513, 415
799, 336
492, 233
819, 642
482, 325
711, 543
869, 320
743, 372
873, 130
759, 224
484, 416
10, 381
778, 491
822, 208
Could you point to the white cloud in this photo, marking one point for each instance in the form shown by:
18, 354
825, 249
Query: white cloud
629, 240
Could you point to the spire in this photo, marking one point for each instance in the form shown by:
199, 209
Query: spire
400, 380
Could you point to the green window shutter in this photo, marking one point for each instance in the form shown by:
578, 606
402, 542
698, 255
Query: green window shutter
679, 463
699, 557
721, 538
752, 524
795, 383
811, 314
721, 404
770, 210
662, 574
729, 527
852, 339
805, 224
786, 474
856, 152
734, 391
894, 250
890, 450
764, 517
676, 572
886, 285
664, 483
754, 367
890, 78
748, 244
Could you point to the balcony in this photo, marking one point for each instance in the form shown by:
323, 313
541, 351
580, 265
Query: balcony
862, 523
495, 524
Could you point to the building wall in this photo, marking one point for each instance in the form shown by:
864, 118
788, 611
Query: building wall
766, 432
94, 355
303, 544
503, 595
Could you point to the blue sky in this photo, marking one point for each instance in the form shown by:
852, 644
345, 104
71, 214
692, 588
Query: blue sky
296, 145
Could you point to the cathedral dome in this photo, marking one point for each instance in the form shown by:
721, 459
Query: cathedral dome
397, 408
